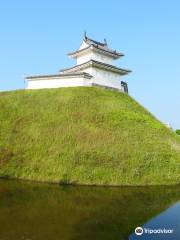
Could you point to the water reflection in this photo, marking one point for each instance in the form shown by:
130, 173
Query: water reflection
165, 226
42, 211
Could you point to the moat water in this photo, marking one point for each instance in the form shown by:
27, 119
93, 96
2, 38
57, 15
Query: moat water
31, 211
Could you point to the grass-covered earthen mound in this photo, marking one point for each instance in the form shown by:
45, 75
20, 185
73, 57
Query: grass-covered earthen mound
84, 136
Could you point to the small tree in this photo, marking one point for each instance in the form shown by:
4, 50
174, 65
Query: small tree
178, 131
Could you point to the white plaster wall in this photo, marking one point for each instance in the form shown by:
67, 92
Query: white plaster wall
84, 58
106, 78
88, 70
57, 82
101, 58
100, 77
94, 56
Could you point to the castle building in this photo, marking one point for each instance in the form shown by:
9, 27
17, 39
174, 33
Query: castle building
94, 67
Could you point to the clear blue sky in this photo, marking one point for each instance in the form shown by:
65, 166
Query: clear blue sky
36, 35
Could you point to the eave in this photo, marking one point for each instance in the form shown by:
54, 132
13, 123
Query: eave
59, 75
107, 52
96, 64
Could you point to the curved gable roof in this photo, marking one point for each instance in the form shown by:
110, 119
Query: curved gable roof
98, 46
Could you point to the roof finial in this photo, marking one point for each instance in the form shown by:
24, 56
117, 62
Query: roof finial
85, 36
105, 42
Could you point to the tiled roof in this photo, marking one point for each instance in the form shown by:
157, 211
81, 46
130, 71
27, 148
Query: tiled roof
91, 41
98, 46
60, 75
94, 63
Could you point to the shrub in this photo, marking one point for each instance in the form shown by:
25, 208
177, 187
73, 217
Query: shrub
178, 131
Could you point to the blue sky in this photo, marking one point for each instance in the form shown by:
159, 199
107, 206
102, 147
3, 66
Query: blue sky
36, 35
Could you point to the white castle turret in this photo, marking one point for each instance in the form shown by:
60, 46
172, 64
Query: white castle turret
94, 67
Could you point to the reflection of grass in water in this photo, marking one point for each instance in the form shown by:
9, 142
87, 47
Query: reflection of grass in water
52, 212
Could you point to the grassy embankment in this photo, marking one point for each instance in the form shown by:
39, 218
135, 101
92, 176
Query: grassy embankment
84, 136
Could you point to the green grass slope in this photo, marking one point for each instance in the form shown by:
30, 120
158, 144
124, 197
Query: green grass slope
84, 136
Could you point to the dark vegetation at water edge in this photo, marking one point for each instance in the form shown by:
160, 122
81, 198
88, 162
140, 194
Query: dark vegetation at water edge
84, 136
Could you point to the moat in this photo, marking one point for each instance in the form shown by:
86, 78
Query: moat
34, 211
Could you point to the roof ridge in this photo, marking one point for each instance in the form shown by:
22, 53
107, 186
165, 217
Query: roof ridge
87, 40
108, 50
